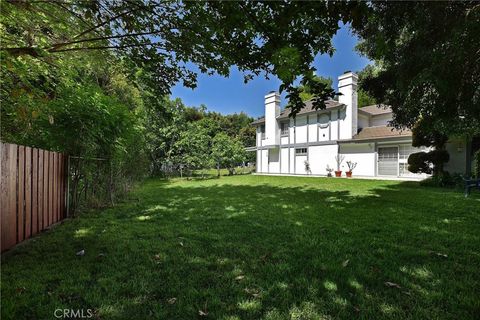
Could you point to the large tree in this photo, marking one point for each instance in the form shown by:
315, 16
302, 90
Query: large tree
227, 152
163, 37
429, 56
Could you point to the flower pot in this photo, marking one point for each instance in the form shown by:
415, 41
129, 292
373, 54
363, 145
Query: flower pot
329, 174
338, 173
349, 174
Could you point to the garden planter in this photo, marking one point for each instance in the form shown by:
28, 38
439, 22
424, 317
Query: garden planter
338, 173
349, 174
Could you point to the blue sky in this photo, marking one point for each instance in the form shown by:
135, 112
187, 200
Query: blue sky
230, 95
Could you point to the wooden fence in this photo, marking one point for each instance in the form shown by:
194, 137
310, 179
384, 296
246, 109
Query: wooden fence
33, 192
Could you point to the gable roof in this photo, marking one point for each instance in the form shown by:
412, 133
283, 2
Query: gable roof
260, 120
284, 114
375, 109
309, 108
380, 132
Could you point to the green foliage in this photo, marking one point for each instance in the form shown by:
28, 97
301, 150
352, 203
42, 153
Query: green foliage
444, 180
306, 90
476, 164
211, 35
87, 104
312, 87
429, 62
227, 152
364, 98
424, 135
432, 161
170, 127
192, 149
419, 162
428, 162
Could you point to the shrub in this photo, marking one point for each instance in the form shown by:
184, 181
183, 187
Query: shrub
418, 163
476, 164
444, 180
428, 162
438, 158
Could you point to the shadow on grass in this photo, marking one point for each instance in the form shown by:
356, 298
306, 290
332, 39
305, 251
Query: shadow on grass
271, 251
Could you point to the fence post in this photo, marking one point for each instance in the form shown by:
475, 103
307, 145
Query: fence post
67, 196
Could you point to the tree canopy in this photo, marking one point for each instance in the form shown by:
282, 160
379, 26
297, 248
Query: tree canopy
163, 37
429, 57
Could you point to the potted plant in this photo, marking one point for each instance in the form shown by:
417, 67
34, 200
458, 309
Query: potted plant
351, 165
339, 159
329, 171
307, 167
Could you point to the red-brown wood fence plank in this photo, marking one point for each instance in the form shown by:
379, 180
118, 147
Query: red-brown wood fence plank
21, 194
64, 185
50, 188
57, 199
8, 208
34, 191
40, 190
28, 192
56, 188
45, 188
64, 181
60, 195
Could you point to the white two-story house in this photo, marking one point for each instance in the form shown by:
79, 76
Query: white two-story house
311, 140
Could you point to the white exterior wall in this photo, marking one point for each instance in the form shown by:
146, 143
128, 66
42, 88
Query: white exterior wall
300, 164
264, 161
347, 86
457, 151
291, 165
380, 120
258, 164
274, 160
284, 164
363, 154
363, 121
312, 128
345, 125
272, 110
320, 156
334, 123
283, 140
301, 129
259, 136
291, 131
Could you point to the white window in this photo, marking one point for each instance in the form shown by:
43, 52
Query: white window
284, 129
301, 151
404, 151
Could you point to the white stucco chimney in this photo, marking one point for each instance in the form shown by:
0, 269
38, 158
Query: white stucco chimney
347, 86
272, 111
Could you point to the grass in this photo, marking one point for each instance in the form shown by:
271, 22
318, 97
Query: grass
258, 247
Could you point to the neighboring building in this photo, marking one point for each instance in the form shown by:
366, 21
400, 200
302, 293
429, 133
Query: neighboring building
285, 144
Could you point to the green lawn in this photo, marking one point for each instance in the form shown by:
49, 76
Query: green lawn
258, 247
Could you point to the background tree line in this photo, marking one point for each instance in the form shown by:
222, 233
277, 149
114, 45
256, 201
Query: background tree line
104, 108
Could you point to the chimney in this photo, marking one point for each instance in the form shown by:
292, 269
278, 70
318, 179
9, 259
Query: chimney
347, 86
272, 111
